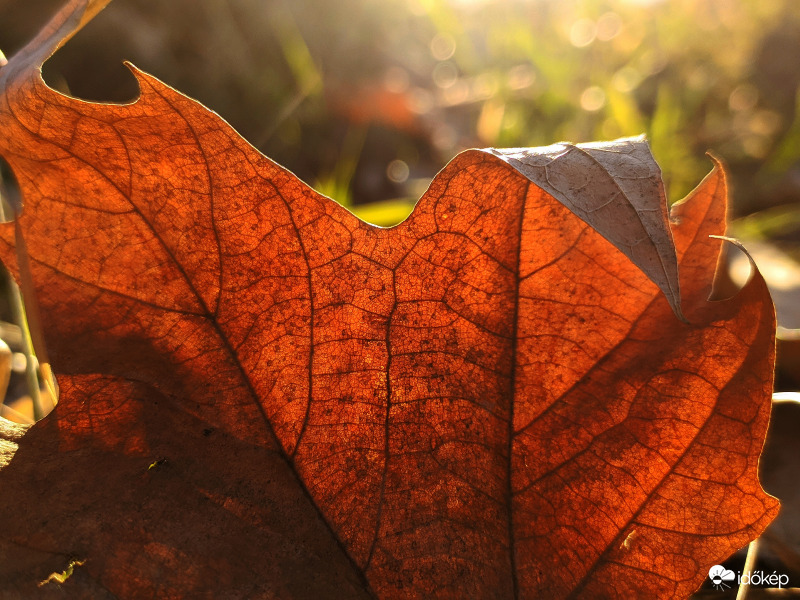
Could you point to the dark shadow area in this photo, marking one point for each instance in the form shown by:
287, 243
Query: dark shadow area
10, 196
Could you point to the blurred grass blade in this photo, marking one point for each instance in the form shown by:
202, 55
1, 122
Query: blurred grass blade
384, 214
33, 339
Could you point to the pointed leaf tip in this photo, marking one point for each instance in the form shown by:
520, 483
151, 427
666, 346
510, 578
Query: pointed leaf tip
64, 24
616, 188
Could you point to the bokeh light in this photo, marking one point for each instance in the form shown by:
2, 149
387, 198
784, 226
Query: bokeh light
433, 77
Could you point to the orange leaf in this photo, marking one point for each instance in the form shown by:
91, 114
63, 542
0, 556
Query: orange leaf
262, 396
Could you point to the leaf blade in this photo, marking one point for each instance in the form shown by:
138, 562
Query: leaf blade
437, 393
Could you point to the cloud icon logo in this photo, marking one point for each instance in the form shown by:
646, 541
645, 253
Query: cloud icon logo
719, 575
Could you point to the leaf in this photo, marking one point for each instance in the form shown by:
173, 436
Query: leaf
262, 396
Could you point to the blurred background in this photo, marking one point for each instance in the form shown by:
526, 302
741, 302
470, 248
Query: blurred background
366, 100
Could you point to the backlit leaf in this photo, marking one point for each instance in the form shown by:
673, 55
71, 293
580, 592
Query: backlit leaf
262, 396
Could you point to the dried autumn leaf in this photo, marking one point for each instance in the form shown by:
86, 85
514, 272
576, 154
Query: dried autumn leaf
263, 396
